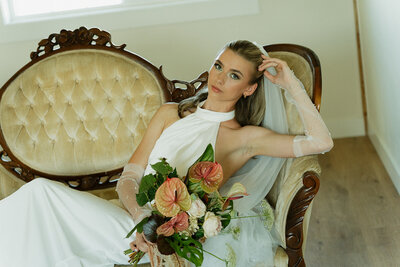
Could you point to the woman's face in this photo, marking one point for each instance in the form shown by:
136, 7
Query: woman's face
230, 76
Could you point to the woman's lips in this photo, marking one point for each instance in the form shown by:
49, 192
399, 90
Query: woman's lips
215, 89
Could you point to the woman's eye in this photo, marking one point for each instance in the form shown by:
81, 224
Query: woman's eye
217, 66
234, 76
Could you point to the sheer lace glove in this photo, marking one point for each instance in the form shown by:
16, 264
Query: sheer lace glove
128, 187
317, 138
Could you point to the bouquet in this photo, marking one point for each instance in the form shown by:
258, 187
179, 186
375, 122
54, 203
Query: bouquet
185, 210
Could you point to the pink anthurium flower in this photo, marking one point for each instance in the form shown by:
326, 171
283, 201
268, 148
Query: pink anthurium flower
178, 223
208, 174
171, 197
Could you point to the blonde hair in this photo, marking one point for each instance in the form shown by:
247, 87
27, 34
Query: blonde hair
249, 110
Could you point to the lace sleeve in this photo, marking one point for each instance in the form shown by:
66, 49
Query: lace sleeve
317, 138
127, 188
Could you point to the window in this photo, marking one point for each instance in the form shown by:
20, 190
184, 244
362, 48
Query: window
34, 19
18, 11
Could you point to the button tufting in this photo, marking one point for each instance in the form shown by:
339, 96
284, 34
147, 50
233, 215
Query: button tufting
76, 81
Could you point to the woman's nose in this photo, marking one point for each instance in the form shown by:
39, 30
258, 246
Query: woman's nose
221, 78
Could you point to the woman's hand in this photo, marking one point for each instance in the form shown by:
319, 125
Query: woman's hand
284, 76
140, 243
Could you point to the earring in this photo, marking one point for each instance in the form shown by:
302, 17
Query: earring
245, 96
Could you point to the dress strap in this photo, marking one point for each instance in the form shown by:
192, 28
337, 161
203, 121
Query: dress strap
213, 115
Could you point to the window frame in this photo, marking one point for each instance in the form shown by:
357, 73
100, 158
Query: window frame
131, 14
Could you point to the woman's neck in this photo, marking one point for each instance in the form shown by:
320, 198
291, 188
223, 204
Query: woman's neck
218, 106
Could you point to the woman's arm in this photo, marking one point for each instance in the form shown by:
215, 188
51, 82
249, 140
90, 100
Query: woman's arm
128, 184
316, 138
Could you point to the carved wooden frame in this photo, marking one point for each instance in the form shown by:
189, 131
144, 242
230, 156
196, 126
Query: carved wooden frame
84, 38
303, 197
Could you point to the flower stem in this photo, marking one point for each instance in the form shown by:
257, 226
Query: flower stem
215, 256
240, 217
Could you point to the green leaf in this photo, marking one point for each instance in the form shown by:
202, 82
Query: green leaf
147, 182
138, 226
199, 234
162, 167
173, 174
208, 155
215, 201
160, 179
187, 248
142, 198
195, 188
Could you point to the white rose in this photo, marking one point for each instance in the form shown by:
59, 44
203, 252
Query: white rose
212, 225
197, 209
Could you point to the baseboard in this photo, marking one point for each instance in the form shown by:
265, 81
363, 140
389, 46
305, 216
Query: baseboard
387, 160
345, 127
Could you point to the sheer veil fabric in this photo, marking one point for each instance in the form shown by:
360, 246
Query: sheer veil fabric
248, 242
259, 173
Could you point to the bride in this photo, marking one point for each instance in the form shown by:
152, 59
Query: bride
241, 114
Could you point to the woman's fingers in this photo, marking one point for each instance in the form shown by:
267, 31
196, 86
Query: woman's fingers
141, 244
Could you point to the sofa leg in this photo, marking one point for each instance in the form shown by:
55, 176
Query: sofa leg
295, 218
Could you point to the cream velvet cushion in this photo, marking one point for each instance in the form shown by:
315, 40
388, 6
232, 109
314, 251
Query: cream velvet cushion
79, 112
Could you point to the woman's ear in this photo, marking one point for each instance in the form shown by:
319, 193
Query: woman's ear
250, 90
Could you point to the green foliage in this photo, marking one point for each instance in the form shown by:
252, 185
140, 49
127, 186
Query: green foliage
162, 167
215, 202
138, 226
187, 248
208, 155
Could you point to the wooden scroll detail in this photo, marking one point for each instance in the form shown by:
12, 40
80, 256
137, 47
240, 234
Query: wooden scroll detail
81, 36
94, 181
190, 88
295, 217
15, 168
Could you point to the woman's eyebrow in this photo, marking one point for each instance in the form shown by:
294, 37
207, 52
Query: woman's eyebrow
222, 64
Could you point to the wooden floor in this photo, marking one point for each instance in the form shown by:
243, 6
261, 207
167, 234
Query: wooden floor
355, 219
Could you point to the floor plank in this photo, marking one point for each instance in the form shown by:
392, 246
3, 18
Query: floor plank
355, 219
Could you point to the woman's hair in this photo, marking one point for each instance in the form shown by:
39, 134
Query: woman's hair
249, 110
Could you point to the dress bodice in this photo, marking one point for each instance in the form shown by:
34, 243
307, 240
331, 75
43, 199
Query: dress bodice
183, 142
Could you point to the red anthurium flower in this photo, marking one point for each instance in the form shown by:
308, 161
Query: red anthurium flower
171, 197
209, 174
178, 223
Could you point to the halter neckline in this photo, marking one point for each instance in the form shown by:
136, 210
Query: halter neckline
213, 115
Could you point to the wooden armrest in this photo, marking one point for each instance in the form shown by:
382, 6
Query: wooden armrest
291, 185
296, 193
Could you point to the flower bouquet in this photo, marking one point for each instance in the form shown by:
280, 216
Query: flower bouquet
185, 210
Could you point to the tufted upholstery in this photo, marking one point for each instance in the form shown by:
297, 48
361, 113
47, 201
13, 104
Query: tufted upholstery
88, 111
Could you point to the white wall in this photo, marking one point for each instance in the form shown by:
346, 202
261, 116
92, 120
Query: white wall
380, 23
187, 49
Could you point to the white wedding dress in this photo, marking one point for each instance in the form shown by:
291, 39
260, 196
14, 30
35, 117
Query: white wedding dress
47, 224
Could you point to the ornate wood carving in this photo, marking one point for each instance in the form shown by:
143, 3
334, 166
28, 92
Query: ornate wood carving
81, 36
295, 218
94, 181
190, 88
